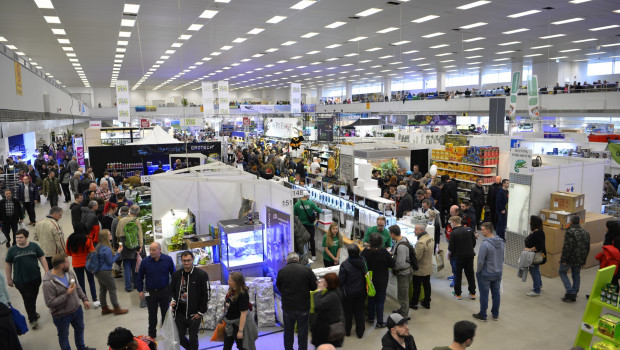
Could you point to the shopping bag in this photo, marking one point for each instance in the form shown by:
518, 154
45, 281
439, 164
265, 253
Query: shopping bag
220, 332
20, 321
370, 287
438, 261
168, 333
43, 200
22, 225
138, 261
482, 214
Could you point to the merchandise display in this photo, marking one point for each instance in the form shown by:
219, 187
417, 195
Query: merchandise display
467, 164
242, 243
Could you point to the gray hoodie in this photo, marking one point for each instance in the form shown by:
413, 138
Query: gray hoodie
56, 298
491, 257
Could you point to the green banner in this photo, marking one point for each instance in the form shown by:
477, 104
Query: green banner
614, 148
516, 80
532, 96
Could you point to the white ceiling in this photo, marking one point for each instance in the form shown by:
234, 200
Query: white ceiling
92, 26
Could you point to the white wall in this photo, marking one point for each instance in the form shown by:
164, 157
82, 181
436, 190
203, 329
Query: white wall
33, 87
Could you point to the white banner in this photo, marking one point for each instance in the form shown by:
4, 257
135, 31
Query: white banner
191, 121
295, 98
207, 98
532, 97
516, 81
266, 109
521, 160
283, 127
222, 97
95, 124
122, 101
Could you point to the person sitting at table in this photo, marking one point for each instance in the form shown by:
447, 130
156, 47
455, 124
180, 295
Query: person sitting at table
381, 229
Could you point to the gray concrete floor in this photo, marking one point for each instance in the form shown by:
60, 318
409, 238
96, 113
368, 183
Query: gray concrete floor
543, 322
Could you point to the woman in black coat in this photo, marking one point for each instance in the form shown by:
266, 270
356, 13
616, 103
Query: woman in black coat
378, 260
328, 310
353, 287
535, 242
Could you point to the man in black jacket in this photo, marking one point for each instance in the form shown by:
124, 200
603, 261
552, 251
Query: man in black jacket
477, 199
11, 214
189, 294
64, 176
406, 202
449, 196
397, 337
295, 282
492, 198
76, 210
461, 247
28, 195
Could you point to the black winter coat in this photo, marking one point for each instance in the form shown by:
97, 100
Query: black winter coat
477, 196
462, 242
492, 195
197, 291
449, 196
328, 309
295, 281
18, 212
389, 343
352, 281
405, 204
378, 261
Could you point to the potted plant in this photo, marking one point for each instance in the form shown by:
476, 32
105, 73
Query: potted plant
184, 102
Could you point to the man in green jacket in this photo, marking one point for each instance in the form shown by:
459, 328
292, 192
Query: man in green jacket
51, 188
380, 228
303, 209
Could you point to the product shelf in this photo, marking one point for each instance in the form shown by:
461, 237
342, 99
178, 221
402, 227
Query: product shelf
476, 165
471, 182
465, 172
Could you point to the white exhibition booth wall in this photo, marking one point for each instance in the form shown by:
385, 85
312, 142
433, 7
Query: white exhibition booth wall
214, 192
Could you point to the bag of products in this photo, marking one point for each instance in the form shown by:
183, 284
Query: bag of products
336, 331
220, 332
370, 287
131, 235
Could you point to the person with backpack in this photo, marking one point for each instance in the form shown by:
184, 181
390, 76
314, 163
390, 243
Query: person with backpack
306, 210
189, 293
402, 269
461, 248
105, 258
9, 339
79, 245
129, 233
65, 177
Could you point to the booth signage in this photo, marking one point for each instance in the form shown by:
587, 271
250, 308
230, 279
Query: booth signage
283, 127
614, 148
201, 147
298, 192
325, 129
122, 101
222, 97
532, 96
190, 122
78, 144
421, 119
516, 80
295, 98
521, 160
207, 98
145, 179
279, 235
145, 123
246, 121
18, 79
95, 124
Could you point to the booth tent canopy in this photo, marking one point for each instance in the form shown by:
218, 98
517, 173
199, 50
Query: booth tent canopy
157, 136
362, 122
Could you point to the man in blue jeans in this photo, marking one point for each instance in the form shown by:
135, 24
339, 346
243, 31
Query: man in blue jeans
574, 254
295, 282
63, 296
489, 272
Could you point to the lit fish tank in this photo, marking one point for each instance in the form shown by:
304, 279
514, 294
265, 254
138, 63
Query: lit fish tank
242, 244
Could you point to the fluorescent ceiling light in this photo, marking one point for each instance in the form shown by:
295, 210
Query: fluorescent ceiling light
552, 36
303, 4
521, 14
503, 52
408, 52
128, 22
446, 61
603, 28
20, 53
540, 47
246, 60
474, 68
67, 48
373, 49
595, 53
470, 57
70, 54
170, 52
516, 31
610, 45
51, 19
417, 59
432, 35
131, 8
115, 61
122, 43
120, 49
2, 39
473, 4
350, 54
58, 31
176, 45
533, 55
258, 55
578, 1
577, 19
444, 54
358, 38
60, 41
474, 39
215, 53
474, 49
332, 46
164, 57
346, 64
312, 52
474, 25
239, 40
332, 59
398, 43
424, 19
119, 56
438, 46
386, 56
276, 19
289, 43
583, 40
387, 30
502, 59
510, 43
185, 37
226, 47
205, 59
44, 4
273, 49
281, 61
365, 61
195, 27
474, 63
424, 64
208, 14
557, 58
570, 50
335, 24
370, 11
124, 34
75, 60
159, 62
255, 31
295, 57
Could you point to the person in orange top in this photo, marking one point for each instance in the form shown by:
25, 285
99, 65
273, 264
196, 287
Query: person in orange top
78, 247
122, 338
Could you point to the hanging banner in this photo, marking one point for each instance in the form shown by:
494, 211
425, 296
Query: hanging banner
95, 124
295, 98
520, 160
18, 79
122, 101
78, 144
283, 127
145, 123
207, 98
222, 97
614, 148
532, 97
325, 129
191, 122
516, 79
423, 119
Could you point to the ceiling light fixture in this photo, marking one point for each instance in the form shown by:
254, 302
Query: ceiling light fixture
432, 35
552, 36
503, 52
424, 19
516, 31
273, 49
583, 40
510, 43
309, 35
358, 38
610, 45
124, 34
128, 22
387, 30
577, 19
408, 52
438, 46
226, 47
603, 28
208, 14
258, 55
60, 41
525, 13
444, 54
255, 31
540, 47
51, 19
44, 4
533, 55
578, 1
473, 4
398, 43
58, 31
335, 24
303, 4
370, 11
474, 49
239, 40
470, 57
474, 39
195, 27
122, 43
373, 49
332, 46
312, 52
474, 25
276, 19
570, 50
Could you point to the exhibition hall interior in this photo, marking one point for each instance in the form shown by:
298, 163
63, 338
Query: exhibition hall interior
309, 174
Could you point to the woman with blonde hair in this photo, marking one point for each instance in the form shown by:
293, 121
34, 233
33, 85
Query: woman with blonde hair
106, 281
240, 326
332, 242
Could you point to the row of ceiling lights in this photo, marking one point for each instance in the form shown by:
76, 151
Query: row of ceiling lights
130, 11
14, 48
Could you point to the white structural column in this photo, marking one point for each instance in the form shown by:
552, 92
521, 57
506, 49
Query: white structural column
441, 81
349, 94
387, 87
319, 93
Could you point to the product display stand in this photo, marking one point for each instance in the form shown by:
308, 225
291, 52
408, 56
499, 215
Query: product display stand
594, 308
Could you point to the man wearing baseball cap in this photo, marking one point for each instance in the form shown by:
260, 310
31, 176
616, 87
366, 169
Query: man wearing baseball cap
397, 337
306, 210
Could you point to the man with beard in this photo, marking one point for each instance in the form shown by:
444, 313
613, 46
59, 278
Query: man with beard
397, 337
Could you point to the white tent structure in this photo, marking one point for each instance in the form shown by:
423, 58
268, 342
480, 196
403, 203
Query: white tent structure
156, 137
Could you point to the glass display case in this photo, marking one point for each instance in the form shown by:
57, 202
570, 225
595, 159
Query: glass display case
242, 243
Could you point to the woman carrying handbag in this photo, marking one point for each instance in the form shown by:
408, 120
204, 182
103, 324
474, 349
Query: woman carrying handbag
535, 242
329, 326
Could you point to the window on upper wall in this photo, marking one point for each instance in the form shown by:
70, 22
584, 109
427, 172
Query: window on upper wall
407, 84
494, 77
367, 88
527, 71
617, 67
463, 80
431, 84
600, 68
334, 93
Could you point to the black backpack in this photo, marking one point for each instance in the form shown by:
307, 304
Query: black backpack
413, 261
